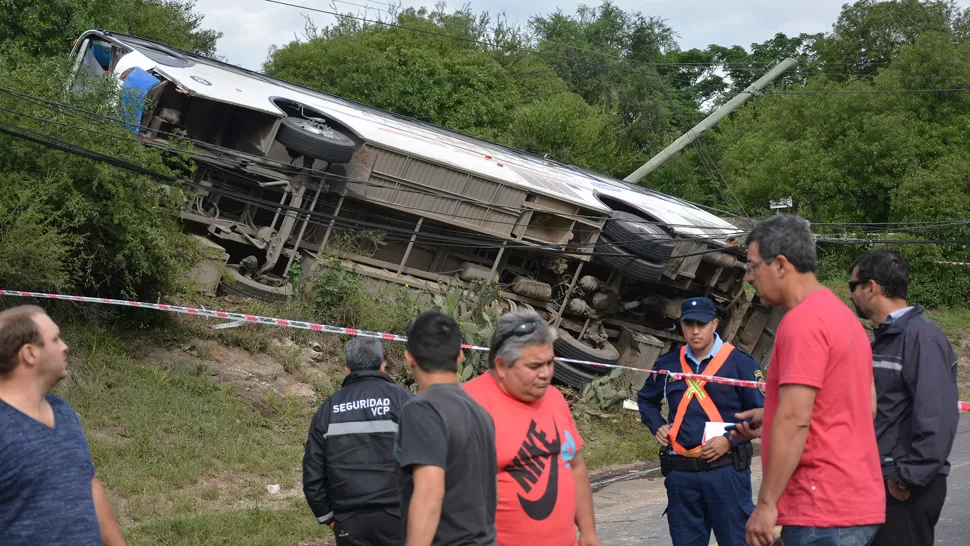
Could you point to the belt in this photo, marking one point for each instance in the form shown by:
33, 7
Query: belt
739, 457
692, 464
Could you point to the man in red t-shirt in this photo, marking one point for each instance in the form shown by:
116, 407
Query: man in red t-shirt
822, 480
543, 485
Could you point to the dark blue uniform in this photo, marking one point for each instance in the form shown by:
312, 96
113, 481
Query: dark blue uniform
719, 498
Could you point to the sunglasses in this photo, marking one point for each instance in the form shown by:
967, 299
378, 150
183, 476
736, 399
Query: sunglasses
857, 283
523, 329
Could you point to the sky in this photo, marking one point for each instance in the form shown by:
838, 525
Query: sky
250, 27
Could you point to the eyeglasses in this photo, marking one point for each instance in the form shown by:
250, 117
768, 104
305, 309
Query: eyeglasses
860, 282
523, 329
751, 266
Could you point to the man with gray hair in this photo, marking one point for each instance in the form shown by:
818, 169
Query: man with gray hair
349, 477
543, 484
818, 452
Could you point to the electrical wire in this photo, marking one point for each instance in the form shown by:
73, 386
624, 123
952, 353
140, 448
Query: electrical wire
70, 148
450, 239
867, 91
889, 226
292, 170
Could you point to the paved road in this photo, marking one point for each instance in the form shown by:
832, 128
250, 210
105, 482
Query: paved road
629, 513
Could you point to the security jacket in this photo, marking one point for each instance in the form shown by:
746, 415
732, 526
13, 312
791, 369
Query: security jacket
915, 370
728, 399
348, 464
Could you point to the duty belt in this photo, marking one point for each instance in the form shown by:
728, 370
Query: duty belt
740, 457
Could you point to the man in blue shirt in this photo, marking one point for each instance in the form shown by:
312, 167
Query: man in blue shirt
708, 476
48, 491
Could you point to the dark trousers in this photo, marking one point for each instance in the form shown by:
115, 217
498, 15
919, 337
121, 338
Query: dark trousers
699, 501
912, 522
369, 528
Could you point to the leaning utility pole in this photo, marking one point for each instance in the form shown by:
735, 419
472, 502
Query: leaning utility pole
709, 121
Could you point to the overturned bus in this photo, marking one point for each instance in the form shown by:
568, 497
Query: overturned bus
283, 170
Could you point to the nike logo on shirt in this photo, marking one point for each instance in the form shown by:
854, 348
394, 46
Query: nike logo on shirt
535, 457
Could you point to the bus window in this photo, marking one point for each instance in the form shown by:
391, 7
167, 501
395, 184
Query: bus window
98, 58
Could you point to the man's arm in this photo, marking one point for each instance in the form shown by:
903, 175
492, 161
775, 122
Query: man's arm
423, 445
929, 372
649, 401
789, 431
584, 496
315, 469
424, 512
110, 531
750, 398
584, 502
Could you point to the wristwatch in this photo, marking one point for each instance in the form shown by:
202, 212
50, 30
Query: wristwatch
899, 485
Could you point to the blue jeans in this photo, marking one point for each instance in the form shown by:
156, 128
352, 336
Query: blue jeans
829, 536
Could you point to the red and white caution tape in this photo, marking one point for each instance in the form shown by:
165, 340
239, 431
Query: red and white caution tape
315, 327
954, 263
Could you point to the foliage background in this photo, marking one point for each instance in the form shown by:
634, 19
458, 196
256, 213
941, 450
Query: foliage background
601, 88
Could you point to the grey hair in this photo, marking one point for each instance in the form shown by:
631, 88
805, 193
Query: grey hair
786, 235
509, 347
364, 353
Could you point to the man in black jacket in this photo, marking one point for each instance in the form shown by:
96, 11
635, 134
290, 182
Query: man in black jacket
349, 476
915, 370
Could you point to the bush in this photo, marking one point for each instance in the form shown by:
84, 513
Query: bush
931, 284
91, 227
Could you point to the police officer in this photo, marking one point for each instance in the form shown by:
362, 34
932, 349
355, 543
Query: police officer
349, 478
707, 475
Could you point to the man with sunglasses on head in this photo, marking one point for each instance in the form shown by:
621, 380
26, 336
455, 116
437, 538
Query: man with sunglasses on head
544, 491
916, 405
707, 475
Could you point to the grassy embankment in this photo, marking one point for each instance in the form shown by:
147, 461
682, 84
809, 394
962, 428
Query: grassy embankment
189, 425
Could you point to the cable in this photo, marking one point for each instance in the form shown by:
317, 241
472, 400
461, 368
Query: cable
701, 153
886, 226
866, 91
450, 239
290, 169
53, 143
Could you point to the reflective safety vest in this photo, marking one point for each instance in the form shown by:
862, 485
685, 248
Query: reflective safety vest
695, 390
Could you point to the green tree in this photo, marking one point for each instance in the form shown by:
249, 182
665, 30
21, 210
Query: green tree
869, 34
455, 83
48, 27
608, 57
577, 132
859, 152
69, 222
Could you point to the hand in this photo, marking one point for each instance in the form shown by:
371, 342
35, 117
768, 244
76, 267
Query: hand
589, 539
662, 435
899, 494
331, 525
716, 447
760, 530
745, 431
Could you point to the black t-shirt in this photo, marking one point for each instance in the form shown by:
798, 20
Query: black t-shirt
446, 428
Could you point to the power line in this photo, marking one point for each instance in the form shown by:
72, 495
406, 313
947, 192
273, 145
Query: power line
867, 91
291, 170
46, 140
867, 226
449, 238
